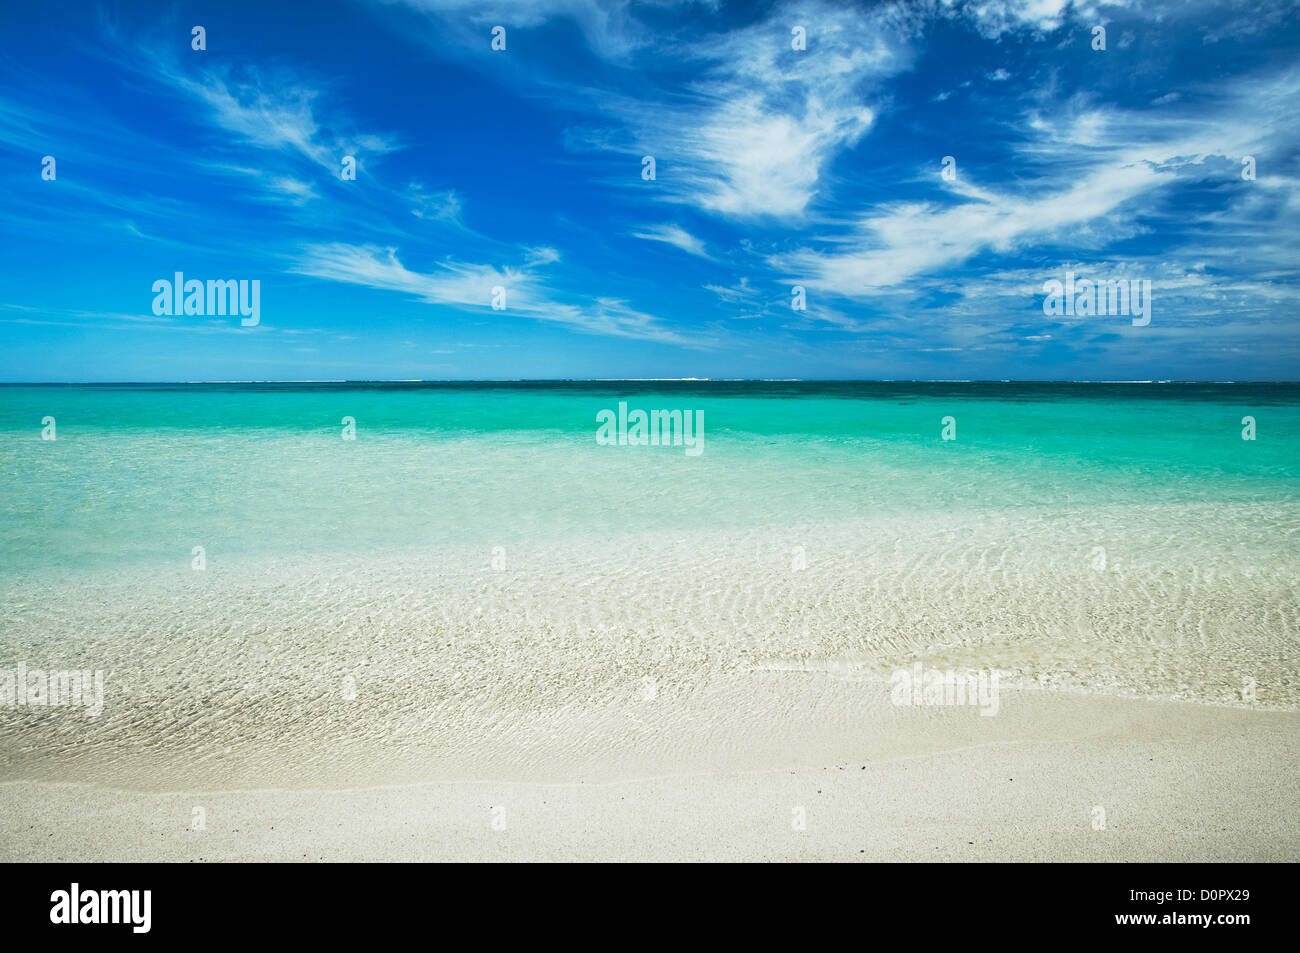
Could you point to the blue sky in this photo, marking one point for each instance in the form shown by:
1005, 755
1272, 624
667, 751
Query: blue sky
774, 167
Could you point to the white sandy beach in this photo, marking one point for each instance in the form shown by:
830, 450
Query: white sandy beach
662, 698
1177, 782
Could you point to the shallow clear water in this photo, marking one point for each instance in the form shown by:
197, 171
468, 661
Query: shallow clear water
1103, 538
145, 473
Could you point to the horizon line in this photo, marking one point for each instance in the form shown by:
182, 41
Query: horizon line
641, 380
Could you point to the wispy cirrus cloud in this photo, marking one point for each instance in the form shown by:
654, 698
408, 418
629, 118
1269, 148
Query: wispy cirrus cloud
473, 286
276, 112
893, 246
610, 27
676, 236
993, 18
1095, 176
438, 206
756, 133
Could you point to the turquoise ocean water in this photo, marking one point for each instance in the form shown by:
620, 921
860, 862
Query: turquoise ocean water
141, 473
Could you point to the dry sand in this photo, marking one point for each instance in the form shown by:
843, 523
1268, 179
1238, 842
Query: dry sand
1177, 782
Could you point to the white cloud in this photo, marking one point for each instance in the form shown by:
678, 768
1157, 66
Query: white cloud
1111, 165
443, 206
470, 286
608, 25
995, 17
676, 236
293, 190
908, 240
274, 111
754, 136
741, 292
